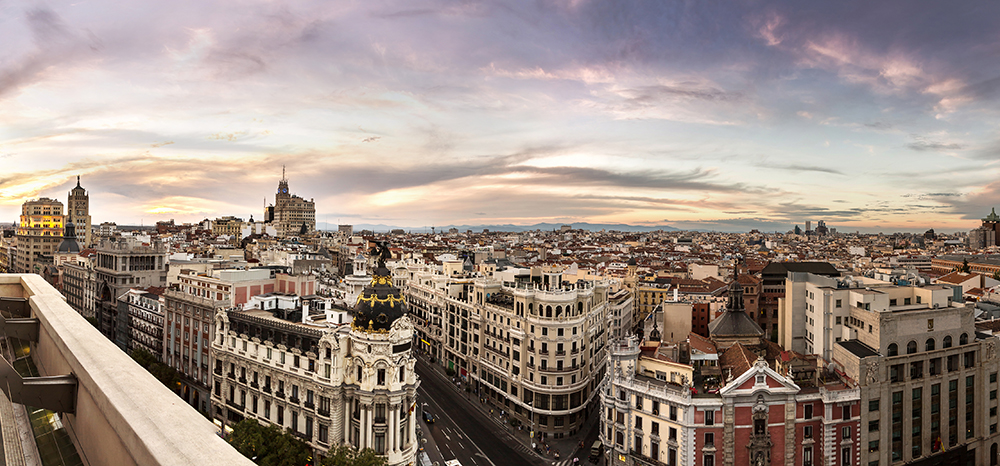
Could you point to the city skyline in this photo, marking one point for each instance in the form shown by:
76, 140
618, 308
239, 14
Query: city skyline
871, 117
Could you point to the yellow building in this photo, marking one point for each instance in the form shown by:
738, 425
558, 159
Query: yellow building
39, 231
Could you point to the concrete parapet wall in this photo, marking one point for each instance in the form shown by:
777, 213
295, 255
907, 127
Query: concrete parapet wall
124, 416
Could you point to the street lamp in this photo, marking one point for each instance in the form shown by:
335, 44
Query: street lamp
531, 416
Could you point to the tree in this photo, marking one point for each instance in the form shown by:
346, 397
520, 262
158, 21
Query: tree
344, 455
268, 445
965, 266
165, 374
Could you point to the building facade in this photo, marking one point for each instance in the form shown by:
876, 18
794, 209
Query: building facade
290, 212
329, 384
145, 313
78, 212
928, 384
39, 231
759, 417
531, 344
118, 267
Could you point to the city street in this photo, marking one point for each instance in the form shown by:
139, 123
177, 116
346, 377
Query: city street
461, 432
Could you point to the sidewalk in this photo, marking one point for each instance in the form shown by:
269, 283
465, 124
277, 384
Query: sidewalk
567, 447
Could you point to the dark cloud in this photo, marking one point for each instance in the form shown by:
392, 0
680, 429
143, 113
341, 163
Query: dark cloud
924, 146
879, 125
801, 168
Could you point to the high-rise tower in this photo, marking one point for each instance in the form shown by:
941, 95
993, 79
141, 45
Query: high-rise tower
78, 212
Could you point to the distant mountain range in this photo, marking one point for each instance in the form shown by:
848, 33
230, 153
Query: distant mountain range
518, 228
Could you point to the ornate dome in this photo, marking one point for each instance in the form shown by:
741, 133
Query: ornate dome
380, 304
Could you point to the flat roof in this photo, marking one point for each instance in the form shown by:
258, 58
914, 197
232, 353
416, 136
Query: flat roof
858, 349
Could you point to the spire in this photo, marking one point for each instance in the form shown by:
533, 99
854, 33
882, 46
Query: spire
283, 174
77, 181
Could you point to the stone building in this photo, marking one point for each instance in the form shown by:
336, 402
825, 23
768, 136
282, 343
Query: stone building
532, 344
78, 212
290, 212
145, 313
928, 381
654, 412
39, 231
330, 384
120, 266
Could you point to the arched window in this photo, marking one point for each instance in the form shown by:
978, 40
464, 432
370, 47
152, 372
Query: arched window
893, 349
929, 346
947, 342
558, 311
993, 455
911, 347
548, 311
963, 340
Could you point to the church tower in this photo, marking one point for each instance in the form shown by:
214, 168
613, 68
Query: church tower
78, 213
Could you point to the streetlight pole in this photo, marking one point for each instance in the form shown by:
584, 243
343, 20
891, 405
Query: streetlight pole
531, 415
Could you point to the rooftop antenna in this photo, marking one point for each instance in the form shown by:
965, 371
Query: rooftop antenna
282, 173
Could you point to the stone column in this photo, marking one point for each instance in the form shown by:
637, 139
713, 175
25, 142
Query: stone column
393, 437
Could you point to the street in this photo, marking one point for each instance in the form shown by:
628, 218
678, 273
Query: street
461, 432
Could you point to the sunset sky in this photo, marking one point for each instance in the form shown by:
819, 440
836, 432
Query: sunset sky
873, 116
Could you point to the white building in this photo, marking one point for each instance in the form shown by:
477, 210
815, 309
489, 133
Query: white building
331, 384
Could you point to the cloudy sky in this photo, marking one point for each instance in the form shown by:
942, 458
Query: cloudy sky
873, 116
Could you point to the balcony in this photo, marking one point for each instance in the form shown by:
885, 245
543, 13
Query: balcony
267, 389
309, 405
293, 399
279, 394
254, 385
243, 380
323, 412
218, 371
231, 376
146, 424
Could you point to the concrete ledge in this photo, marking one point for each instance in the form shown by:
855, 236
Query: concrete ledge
124, 416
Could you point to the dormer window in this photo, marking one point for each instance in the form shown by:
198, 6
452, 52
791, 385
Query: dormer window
760, 379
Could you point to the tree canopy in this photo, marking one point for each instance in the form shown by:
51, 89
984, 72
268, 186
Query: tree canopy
165, 374
269, 446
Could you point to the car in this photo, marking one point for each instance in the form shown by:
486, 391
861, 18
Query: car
428, 417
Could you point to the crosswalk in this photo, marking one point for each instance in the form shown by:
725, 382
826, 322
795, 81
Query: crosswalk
565, 462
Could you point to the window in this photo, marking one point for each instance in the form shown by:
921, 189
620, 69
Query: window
947, 342
845, 433
638, 402
638, 422
807, 432
709, 418
929, 346
839, 303
873, 426
807, 456
873, 405
846, 412
709, 439
808, 411
893, 349
911, 347
673, 434
845, 455
709, 460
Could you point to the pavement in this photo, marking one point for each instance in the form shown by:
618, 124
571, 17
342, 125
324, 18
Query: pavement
442, 391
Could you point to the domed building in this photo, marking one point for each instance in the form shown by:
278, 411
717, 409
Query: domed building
330, 384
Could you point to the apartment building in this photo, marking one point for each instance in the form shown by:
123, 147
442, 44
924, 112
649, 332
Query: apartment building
39, 232
191, 306
928, 379
530, 343
145, 313
651, 415
118, 267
